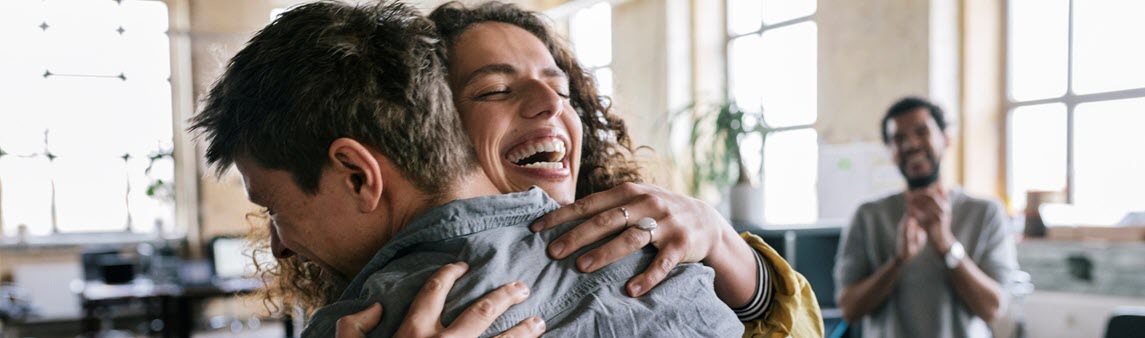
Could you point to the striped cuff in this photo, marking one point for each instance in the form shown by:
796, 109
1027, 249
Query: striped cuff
757, 307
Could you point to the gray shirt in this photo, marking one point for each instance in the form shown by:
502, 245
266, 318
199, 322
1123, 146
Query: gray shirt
923, 302
491, 234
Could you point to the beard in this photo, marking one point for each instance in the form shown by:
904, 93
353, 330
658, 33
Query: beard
923, 181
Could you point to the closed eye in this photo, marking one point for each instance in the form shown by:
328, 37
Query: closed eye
491, 94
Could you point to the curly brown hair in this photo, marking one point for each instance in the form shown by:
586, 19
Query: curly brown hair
290, 282
606, 159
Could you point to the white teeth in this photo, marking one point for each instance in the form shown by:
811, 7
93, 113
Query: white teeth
547, 145
546, 165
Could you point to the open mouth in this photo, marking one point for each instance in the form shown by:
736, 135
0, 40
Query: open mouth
545, 153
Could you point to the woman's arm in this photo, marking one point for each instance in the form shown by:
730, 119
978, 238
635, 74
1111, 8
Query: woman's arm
794, 310
688, 230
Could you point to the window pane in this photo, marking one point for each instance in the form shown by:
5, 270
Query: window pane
1037, 150
82, 124
147, 209
22, 123
744, 16
27, 200
82, 27
604, 81
102, 51
145, 56
783, 10
788, 75
1038, 36
82, 15
790, 166
744, 71
92, 116
1108, 52
1109, 163
144, 16
591, 33
90, 193
21, 14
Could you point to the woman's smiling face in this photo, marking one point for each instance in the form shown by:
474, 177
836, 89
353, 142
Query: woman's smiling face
513, 100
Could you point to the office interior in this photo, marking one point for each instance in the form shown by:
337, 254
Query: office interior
111, 222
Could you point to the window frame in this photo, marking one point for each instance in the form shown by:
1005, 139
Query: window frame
1070, 99
569, 23
727, 69
184, 156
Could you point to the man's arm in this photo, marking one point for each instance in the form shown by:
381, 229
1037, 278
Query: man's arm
861, 298
981, 293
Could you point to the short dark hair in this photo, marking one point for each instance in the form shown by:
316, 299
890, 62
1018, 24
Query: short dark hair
328, 70
606, 148
909, 104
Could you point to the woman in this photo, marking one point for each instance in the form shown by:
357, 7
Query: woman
536, 119
518, 94
516, 86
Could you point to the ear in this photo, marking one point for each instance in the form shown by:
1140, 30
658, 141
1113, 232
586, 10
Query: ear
358, 171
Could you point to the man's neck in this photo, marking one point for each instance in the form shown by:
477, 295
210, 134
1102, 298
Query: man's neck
937, 186
470, 186
473, 185
403, 201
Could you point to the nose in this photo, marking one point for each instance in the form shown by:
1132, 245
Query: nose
908, 142
541, 100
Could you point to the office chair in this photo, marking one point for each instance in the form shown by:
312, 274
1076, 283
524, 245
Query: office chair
1126, 322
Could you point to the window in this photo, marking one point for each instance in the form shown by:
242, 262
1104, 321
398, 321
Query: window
1076, 95
772, 71
590, 31
85, 117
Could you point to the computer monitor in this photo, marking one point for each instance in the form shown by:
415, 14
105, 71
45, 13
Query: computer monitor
230, 258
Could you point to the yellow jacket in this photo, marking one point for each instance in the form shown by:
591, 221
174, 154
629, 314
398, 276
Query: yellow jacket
794, 310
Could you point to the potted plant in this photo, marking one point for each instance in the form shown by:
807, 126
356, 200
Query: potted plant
717, 161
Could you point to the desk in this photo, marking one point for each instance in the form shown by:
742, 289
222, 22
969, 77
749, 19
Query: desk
175, 302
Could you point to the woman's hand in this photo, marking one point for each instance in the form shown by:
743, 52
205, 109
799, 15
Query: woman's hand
688, 230
424, 317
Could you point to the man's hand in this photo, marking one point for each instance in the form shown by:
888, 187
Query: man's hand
911, 239
424, 316
931, 207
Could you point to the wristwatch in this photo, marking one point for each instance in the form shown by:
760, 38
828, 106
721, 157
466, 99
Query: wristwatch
954, 255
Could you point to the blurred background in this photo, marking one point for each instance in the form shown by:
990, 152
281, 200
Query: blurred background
110, 222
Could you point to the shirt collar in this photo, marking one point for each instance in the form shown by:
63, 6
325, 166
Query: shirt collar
455, 219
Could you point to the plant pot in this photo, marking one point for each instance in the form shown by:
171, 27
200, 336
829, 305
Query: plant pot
746, 203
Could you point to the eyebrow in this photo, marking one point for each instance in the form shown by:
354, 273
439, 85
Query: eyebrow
506, 69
